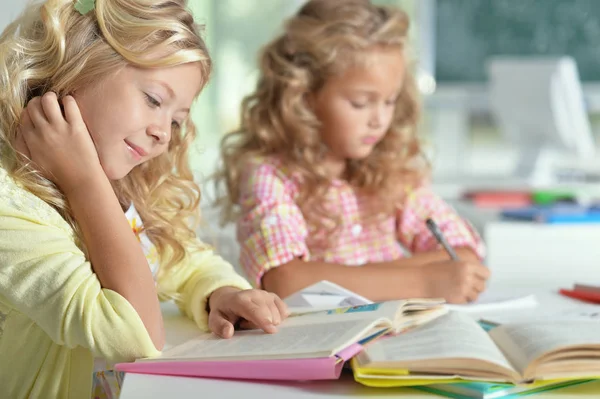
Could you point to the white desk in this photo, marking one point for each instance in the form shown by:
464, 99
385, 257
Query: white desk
180, 329
140, 386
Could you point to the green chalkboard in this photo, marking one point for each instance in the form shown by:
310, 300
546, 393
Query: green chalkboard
470, 31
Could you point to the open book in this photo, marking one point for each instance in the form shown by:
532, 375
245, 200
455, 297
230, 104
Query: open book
327, 295
328, 337
456, 347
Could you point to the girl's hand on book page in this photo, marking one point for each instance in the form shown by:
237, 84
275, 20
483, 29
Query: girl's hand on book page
456, 281
231, 306
59, 144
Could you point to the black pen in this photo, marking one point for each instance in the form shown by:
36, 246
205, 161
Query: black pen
437, 233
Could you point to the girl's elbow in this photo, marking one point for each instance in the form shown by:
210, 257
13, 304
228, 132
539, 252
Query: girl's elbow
155, 329
158, 338
283, 280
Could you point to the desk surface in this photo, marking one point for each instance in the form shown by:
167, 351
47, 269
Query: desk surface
138, 386
179, 329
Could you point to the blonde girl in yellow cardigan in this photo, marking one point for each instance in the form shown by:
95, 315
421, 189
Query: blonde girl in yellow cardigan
94, 123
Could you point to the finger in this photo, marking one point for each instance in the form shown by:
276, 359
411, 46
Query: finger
72, 111
456, 299
275, 316
268, 298
219, 325
51, 108
26, 128
25, 122
36, 113
283, 308
257, 313
479, 285
472, 295
481, 271
21, 145
246, 325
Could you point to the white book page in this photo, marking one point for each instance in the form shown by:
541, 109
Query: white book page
454, 335
522, 343
288, 342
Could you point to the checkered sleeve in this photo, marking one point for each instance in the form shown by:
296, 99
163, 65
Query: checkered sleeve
271, 230
413, 233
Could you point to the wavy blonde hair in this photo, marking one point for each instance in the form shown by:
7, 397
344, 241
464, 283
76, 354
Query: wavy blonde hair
52, 47
323, 39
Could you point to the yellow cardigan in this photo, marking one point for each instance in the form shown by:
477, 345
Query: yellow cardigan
54, 315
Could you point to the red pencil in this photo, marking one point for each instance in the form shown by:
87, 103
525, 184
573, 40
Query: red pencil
587, 296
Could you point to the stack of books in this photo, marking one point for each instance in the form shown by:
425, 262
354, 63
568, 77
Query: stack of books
418, 343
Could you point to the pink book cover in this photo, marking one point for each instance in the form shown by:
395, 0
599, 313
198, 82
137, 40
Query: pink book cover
328, 368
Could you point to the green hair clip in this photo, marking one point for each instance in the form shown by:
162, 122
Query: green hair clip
85, 6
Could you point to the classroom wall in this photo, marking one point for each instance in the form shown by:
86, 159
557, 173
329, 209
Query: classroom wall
236, 30
9, 9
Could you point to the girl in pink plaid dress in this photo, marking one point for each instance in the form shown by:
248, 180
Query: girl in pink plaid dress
326, 170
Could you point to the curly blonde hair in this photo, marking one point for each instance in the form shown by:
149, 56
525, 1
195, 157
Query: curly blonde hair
323, 39
52, 47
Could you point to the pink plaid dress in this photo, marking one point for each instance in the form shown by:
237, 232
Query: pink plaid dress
272, 230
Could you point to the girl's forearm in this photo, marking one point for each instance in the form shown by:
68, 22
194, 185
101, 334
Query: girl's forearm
115, 252
376, 281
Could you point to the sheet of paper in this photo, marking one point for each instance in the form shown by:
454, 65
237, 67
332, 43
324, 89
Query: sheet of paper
324, 295
497, 300
581, 312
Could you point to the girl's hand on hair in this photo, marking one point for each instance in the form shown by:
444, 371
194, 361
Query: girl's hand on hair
59, 144
249, 309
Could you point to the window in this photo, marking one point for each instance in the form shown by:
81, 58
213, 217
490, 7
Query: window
235, 32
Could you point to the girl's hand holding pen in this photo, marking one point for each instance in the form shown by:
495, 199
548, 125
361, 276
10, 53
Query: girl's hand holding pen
456, 281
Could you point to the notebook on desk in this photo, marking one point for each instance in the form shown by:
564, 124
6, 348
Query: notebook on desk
311, 346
